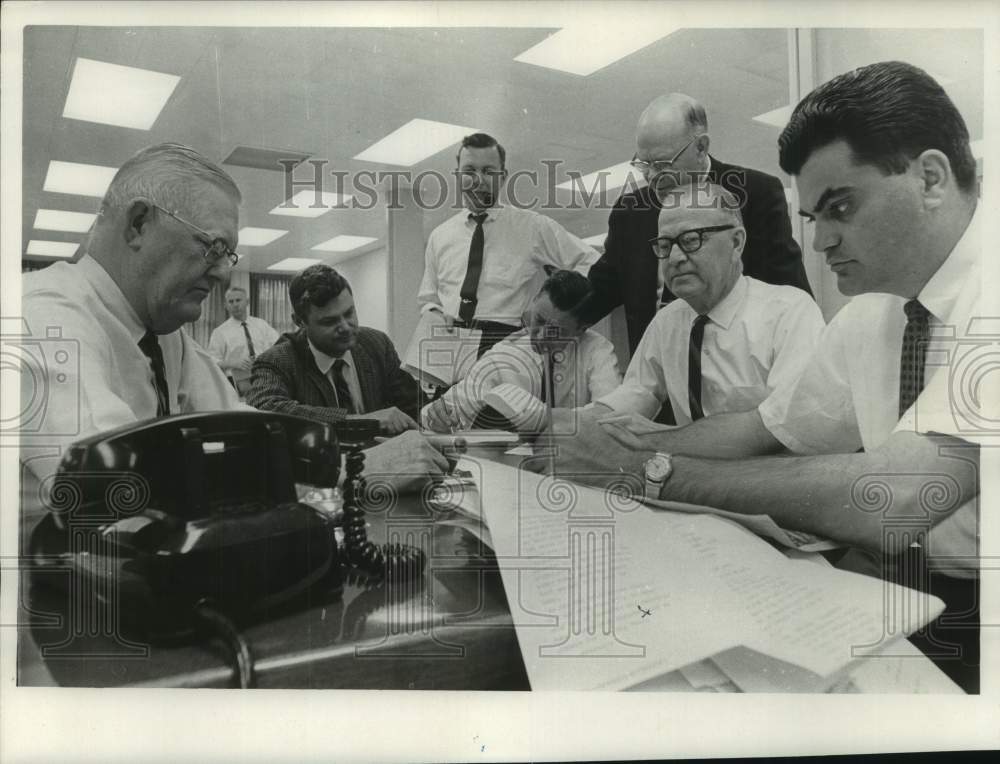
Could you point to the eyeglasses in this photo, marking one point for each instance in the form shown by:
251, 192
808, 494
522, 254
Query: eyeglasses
659, 165
689, 241
215, 251
550, 329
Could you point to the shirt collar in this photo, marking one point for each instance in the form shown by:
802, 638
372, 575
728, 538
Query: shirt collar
941, 291
492, 214
324, 361
725, 311
111, 295
238, 323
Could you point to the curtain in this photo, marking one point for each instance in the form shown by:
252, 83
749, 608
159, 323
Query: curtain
213, 313
269, 300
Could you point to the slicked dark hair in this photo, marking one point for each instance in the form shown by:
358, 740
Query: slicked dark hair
482, 141
566, 289
888, 113
316, 285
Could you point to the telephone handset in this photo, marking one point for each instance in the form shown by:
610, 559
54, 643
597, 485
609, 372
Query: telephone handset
186, 522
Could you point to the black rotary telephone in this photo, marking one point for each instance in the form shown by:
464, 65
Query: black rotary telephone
190, 523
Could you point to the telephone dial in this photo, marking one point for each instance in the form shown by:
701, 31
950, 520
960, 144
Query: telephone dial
191, 524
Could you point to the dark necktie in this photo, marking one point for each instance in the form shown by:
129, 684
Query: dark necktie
246, 331
470, 287
548, 378
694, 368
340, 385
914, 353
150, 346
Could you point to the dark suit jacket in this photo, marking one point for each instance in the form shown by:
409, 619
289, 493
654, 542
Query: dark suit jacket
285, 378
627, 272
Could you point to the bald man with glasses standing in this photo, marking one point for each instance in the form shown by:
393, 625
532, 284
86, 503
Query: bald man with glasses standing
672, 143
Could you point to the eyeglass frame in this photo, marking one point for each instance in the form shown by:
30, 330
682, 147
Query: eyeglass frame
654, 242
231, 254
662, 164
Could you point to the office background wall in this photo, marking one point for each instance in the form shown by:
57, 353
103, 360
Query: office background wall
245, 97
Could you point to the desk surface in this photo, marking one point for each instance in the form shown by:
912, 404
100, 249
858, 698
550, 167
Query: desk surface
451, 629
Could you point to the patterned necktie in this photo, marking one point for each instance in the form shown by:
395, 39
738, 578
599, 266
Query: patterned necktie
150, 346
914, 353
340, 385
548, 377
470, 287
246, 331
694, 368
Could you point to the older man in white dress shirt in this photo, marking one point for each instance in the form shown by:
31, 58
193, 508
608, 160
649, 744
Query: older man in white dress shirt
730, 340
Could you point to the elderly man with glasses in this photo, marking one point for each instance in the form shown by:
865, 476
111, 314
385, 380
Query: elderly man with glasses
730, 339
672, 143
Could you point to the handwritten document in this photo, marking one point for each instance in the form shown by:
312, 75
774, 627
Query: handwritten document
606, 593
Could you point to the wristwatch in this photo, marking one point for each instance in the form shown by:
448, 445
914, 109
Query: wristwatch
657, 470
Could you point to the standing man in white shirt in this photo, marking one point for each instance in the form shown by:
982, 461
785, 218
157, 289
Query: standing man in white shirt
237, 341
730, 339
484, 265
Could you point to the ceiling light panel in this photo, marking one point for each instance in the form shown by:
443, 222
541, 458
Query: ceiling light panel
61, 220
344, 243
259, 237
123, 96
77, 178
414, 142
610, 178
292, 264
776, 117
587, 48
300, 205
44, 248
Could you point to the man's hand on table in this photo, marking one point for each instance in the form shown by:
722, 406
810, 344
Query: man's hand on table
584, 451
404, 463
391, 421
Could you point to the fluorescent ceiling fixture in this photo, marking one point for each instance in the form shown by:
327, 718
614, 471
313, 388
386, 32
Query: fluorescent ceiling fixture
414, 142
588, 47
110, 94
61, 220
258, 237
292, 264
596, 241
613, 177
52, 248
344, 243
304, 200
76, 178
776, 117
977, 148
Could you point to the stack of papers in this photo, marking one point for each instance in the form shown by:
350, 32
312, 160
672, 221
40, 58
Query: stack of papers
607, 594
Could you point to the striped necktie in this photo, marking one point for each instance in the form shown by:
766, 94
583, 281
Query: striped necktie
913, 354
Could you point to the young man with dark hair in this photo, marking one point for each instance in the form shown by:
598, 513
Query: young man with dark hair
483, 265
583, 363
887, 442
332, 370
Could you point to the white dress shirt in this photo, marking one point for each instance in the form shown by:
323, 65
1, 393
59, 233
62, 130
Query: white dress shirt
758, 336
848, 396
228, 343
587, 370
517, 243
325, 363
93, 376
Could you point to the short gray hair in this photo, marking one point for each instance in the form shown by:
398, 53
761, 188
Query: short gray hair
706, 196
163, 174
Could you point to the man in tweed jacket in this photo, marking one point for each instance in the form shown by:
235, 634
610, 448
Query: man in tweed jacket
331, 369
